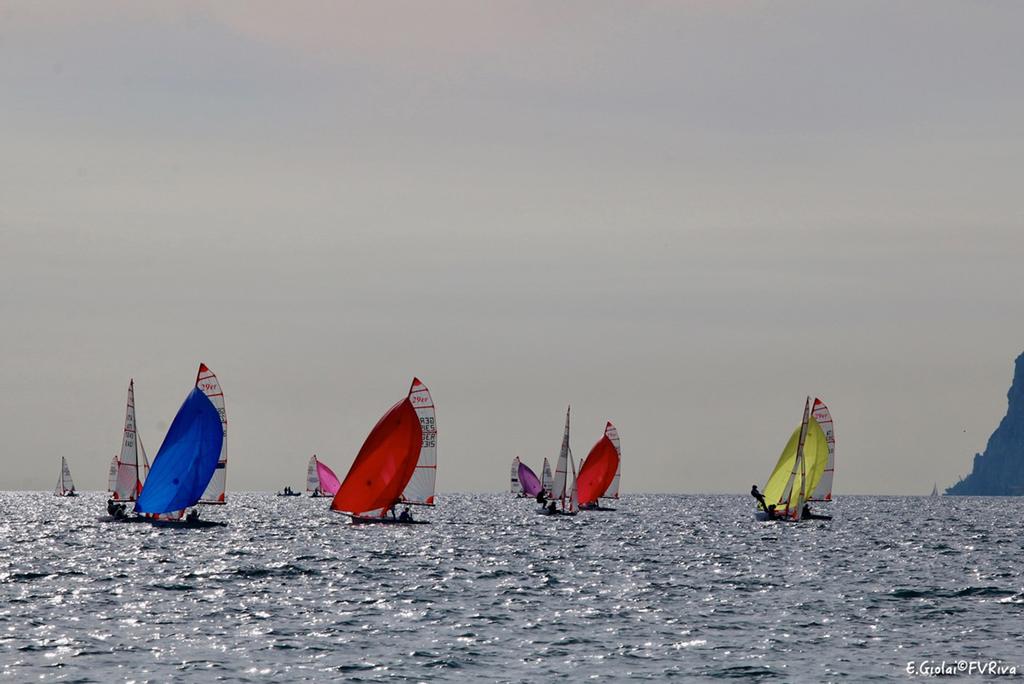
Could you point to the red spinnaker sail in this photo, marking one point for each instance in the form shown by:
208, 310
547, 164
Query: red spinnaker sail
598, 470
384, 465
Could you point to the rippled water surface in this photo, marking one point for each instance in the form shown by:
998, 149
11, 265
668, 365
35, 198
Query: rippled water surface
667, 586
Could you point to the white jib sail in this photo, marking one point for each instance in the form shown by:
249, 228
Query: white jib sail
562, 465
613, 489
546, 478
823, 492
312, 477
514, 486
126, 487
420, 489
210, 386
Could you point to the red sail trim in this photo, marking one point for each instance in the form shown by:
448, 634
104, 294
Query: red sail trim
598, 471
384, 464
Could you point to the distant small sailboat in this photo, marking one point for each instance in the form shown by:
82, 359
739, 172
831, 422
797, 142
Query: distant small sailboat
65, 485
187, 461
935, 489
546, 480
397, 463
529, 481
797, 472
287, 491
600, 470
320, 480
564, 500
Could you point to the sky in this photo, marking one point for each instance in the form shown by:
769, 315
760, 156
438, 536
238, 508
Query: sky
683, 217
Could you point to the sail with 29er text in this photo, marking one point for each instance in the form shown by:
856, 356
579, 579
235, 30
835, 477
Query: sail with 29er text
209, 385
820, 413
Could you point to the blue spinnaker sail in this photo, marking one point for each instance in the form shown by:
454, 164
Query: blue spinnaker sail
186, 460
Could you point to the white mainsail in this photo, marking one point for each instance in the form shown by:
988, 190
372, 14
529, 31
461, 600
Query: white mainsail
420, 489
312, 477
613, 489
820, 413
515, 487
112, 476
935, 489
128, 481
207, 382
546, 478
562, 465
64, 484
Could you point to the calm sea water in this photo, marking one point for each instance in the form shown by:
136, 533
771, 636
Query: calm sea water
667, 586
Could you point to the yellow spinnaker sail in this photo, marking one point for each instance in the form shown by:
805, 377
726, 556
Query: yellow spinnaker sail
815, 457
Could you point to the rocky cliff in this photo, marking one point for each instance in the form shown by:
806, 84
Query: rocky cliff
1000, 470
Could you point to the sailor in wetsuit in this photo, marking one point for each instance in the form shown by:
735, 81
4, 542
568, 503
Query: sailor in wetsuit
406, 515
759, 496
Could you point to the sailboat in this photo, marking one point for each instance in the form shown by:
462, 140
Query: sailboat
601, 471
320, 480
65, 485
186, 462
546, 480
935, 489
563, 500
797, 472
820, 413
529, 481
127, 473
397, 463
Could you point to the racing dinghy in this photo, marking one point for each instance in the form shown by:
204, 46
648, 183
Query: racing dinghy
65, 485
600, 471
186, 463
397, 464
320, 480
563, 500
529, 481
797, 472
127, 470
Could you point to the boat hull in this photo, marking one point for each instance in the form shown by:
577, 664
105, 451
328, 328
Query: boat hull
122, 519
186, 523
357, 520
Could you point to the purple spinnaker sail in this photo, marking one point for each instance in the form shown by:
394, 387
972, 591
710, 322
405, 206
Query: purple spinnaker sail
529, 480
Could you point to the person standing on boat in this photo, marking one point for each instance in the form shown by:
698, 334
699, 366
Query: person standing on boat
759, 496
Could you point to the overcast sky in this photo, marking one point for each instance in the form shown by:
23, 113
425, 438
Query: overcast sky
682, 217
